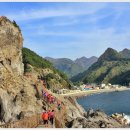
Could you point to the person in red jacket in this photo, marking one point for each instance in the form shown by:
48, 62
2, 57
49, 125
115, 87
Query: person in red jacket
48, 98
49, 112
52, 116
45, 118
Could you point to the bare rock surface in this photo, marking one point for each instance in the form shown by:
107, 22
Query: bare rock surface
96, 119
17, 94
11, 42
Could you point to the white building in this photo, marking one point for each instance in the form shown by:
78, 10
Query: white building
103, 85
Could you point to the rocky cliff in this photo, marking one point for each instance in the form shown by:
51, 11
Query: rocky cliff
11, 42
17, 94
20, 95
74, 116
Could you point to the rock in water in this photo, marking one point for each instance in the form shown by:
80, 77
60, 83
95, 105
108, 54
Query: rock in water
90, 112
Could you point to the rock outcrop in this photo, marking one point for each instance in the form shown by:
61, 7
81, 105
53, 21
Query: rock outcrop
17, 94
11, 43
76, 117
95, 119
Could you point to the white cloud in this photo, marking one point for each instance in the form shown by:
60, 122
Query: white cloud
56, 12
88, 44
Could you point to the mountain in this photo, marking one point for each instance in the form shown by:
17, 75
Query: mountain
125, 53
111, 67
86, 62
66, 65
70, 67
109, 55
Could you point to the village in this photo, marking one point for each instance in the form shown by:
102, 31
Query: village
94, 88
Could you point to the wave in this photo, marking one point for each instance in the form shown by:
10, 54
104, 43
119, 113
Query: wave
127, 117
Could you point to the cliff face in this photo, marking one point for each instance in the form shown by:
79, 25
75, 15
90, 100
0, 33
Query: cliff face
11, 42
17, 94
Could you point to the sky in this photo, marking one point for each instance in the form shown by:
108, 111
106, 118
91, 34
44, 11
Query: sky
71, 30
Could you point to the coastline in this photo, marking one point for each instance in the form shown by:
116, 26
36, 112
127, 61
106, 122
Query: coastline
82, 114
78, 94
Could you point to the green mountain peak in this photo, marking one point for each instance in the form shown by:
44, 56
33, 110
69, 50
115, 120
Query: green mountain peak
109, 55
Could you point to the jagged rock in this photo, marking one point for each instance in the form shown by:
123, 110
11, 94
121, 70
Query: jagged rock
90, 112
11, 42
102, 124
17, 94
95, 119
21, 115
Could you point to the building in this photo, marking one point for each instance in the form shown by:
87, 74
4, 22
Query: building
82, 87
63, 91
88, 87
115, 86
103, 85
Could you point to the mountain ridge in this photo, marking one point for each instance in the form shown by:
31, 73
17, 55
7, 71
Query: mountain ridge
110, 54
125, 53
111, 67
72, 67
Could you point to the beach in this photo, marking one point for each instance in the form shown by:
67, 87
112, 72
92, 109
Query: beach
79, 93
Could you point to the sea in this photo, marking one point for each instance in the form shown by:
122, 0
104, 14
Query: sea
111, 102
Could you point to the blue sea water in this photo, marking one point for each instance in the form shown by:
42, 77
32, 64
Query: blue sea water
113, 102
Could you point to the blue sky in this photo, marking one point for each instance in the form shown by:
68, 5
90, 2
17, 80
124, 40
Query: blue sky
71, 30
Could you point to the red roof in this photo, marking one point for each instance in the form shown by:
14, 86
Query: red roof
88, 86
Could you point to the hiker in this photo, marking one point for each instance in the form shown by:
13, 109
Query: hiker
43, 93
43, 113
46, 95
52, 115
58, 105
49, 112
50, 98
45, 118
54, 100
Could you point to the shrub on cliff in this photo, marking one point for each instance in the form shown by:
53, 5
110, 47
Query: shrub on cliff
16, 25
30, 57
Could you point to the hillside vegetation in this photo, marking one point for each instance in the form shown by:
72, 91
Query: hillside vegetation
111, 67
35, 63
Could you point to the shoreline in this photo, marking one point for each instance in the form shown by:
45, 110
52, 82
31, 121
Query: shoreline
78, 94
